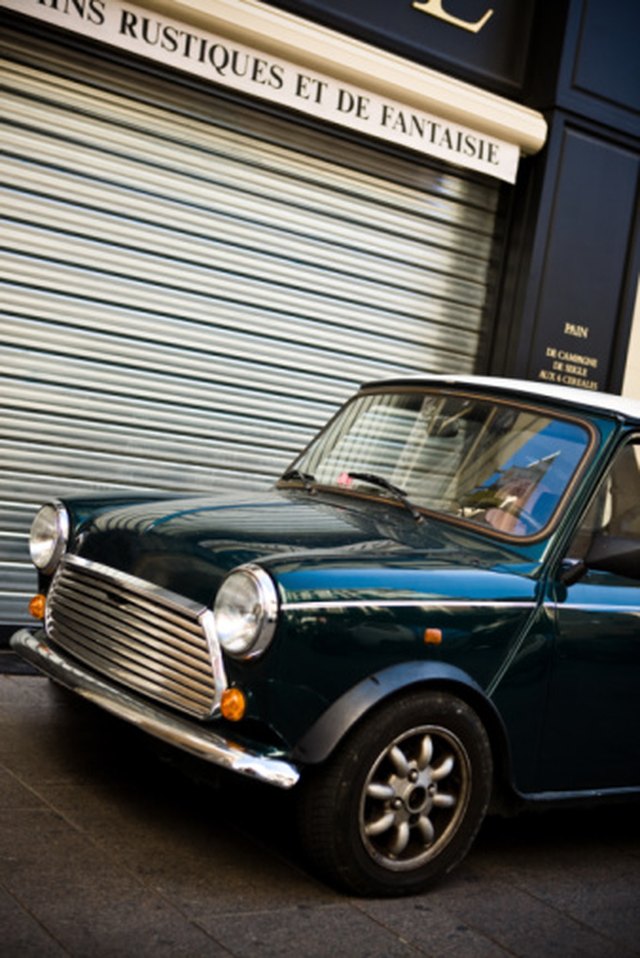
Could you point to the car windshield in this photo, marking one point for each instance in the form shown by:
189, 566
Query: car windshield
487, 462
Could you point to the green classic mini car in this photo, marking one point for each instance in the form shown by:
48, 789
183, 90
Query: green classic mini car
435, 612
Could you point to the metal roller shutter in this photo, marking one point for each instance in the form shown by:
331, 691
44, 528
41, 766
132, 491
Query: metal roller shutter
193, 285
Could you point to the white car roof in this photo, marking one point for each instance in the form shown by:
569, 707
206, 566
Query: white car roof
574, 396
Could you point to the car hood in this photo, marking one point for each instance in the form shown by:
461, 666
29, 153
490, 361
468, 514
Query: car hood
188, 545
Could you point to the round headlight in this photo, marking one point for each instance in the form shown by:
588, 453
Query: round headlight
245, 610
49, 536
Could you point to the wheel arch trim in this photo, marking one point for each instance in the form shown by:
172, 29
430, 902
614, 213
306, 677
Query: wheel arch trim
320, 740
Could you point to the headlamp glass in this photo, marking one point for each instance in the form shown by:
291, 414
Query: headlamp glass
49, 536
245, 611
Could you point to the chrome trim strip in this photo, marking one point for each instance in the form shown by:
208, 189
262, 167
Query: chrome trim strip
188, 736
593, 607
443, 603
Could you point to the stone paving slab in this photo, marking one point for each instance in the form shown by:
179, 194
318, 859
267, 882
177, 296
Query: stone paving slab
107, 848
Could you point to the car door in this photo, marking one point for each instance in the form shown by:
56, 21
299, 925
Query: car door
591, 737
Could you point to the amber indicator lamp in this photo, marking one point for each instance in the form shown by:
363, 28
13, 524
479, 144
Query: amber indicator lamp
233, 704
432, 636
37, 606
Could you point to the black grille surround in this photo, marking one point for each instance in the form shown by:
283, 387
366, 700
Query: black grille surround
145, 637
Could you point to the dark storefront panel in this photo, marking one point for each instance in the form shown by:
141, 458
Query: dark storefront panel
483, 42
573, 260
586, 266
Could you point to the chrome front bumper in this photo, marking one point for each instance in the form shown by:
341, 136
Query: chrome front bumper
187, 735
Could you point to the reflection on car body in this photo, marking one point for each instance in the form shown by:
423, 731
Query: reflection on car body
435, 612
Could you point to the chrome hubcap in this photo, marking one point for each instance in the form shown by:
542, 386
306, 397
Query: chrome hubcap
414, 797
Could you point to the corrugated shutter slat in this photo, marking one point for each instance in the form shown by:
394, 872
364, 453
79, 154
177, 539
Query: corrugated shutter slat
193, 285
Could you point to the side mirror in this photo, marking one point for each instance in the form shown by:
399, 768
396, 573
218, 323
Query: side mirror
615, 554
572, 571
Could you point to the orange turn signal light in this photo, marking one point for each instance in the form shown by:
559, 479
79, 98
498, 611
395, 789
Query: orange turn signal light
37, 606
233, 704
432, 636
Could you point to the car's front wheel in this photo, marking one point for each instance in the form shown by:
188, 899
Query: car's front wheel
402, 798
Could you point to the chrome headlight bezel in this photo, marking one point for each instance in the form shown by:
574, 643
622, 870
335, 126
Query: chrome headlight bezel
246, 612
49, 536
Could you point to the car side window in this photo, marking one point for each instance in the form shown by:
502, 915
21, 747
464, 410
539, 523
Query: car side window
611, 525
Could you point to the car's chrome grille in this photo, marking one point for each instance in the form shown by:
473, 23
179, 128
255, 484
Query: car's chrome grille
139, 634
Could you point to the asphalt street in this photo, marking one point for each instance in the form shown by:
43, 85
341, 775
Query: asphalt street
111, 848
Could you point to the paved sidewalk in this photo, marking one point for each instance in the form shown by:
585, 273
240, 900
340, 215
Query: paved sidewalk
108, 849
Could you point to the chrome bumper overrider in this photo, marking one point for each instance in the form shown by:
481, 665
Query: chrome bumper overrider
187, 735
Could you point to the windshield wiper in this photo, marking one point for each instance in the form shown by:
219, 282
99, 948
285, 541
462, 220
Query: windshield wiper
396, 491
305, 478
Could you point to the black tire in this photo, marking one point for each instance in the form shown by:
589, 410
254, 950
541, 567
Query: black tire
400, 801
